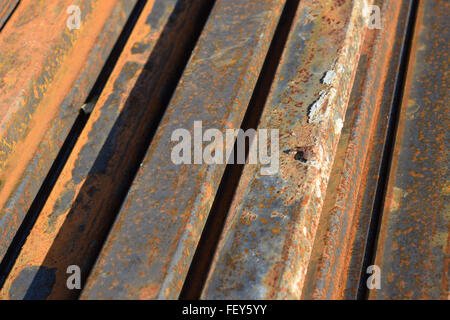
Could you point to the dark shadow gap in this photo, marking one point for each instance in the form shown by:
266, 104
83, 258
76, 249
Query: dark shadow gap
201, 263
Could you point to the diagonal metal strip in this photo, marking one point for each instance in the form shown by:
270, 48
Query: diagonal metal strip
46, 72
373, 89
6, 9
149, 250
377, 163
269, 233
413, 246
81, 206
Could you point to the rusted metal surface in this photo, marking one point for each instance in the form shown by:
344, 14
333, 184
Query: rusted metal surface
268, 236
6, 8
413, 245
327, 276
150, 247
46, 73
363, 137
373, 173
80, 210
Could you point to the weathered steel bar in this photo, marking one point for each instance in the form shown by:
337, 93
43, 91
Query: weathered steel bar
82, 205
377, 163
6, 8
373, 90
46, 72
149, 250
413, 245
268, 236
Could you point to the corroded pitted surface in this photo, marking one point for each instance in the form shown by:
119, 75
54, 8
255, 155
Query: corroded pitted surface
46, 73
148, 252
413, 245
80, 208
330, 259
269, 233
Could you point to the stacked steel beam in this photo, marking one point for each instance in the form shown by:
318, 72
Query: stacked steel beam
356, 208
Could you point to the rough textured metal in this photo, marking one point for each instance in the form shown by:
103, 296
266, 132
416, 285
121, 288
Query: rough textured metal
305, 232
46, 73
6, 8
148, 252
372, 176
331, 256
413, 245
270, 229
80, 208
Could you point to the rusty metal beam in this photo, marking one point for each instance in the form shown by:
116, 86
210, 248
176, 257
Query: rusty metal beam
150, 247
268, 236
80, 210
329, 272
46, 72
376, 167
413, 245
